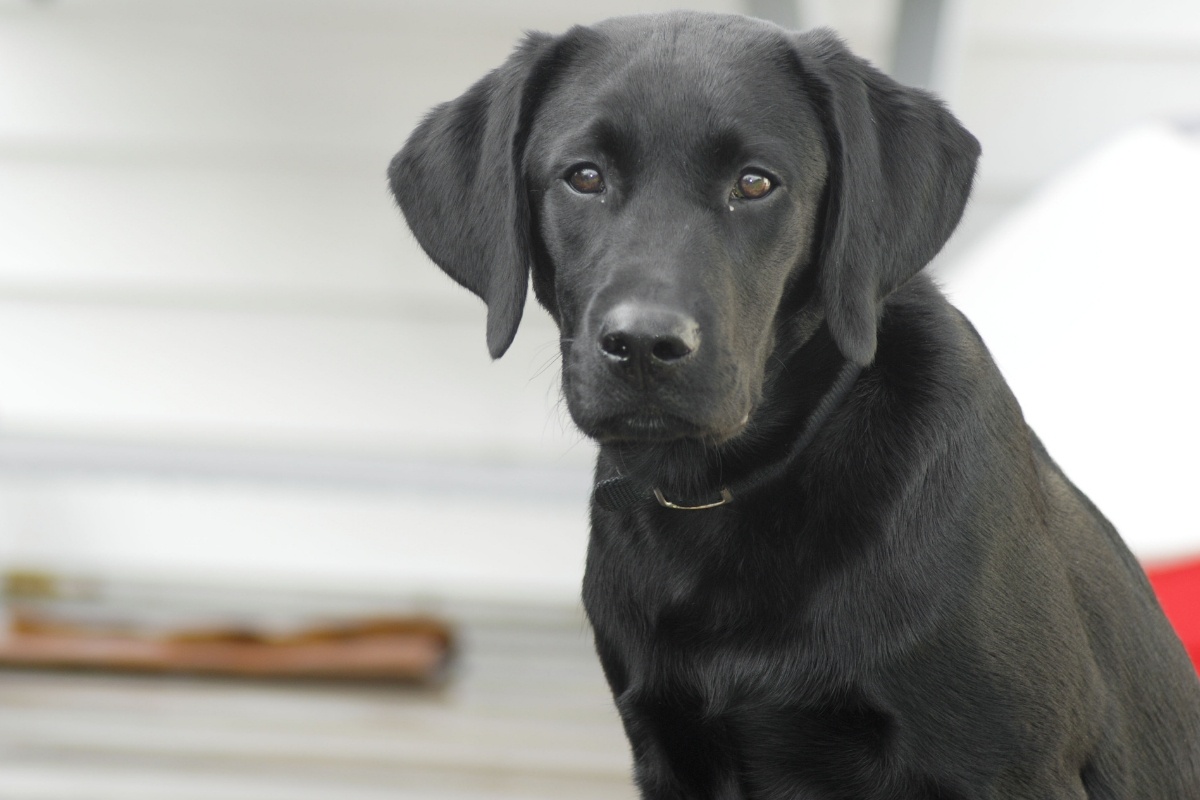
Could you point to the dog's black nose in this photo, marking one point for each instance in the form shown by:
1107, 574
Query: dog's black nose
643, 334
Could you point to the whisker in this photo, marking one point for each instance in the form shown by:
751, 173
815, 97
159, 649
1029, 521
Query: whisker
547, 365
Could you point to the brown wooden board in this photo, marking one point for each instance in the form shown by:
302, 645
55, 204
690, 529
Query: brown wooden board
386, 649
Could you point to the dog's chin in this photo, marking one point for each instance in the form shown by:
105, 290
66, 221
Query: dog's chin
656, 428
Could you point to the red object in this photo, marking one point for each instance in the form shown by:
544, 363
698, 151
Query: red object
1178, 588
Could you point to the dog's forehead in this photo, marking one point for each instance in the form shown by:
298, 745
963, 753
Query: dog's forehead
684, 34
679, 77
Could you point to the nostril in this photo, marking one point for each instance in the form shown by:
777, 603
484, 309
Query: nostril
616, 345
670, 348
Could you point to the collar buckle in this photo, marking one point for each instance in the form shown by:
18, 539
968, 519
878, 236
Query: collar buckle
726, 497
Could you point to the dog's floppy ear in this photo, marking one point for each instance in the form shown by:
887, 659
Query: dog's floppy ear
900, 170
459, 181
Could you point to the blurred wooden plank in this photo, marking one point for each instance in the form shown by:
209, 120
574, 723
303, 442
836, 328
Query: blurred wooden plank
393, 649
525, 714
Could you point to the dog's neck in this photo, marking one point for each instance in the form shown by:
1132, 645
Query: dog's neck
691, 474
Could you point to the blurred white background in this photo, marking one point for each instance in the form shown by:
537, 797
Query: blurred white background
225, 363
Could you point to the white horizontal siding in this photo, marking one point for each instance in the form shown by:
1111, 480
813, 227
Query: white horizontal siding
370, 382
413, 541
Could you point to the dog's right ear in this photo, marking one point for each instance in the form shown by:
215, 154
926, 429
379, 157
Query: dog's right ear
459, 181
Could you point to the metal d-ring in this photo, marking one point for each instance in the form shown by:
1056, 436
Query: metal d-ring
726, 497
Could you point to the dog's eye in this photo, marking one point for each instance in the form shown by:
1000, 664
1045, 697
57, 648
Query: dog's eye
752, 186
586, 179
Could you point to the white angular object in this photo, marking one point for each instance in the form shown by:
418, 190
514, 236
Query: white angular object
1087, 298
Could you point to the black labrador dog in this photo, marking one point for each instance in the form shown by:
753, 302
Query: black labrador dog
828, 558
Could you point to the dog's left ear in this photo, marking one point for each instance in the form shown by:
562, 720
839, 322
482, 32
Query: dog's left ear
459, 181
900, 170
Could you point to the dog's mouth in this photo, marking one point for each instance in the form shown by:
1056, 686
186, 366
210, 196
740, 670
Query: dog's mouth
658, 427
646, 426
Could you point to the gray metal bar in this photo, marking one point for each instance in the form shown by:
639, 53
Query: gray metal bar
919, 42
784, 13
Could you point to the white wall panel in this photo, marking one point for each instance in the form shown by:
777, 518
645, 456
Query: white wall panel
369, 382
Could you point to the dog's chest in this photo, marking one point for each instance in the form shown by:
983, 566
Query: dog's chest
721, 576
723, 646
704, 602
760, 728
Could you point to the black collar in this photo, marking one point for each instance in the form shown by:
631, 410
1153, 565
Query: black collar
619, 493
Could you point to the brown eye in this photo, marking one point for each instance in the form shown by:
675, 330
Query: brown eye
586, 179
751, 186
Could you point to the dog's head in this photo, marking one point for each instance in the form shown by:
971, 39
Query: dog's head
681, 187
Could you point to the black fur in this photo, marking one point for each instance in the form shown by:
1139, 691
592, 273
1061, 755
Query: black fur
918, 605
